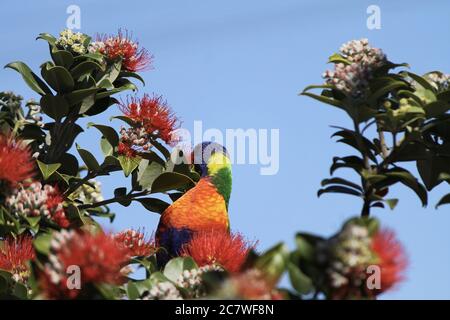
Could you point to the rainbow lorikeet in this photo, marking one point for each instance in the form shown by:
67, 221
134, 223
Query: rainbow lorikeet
202, 208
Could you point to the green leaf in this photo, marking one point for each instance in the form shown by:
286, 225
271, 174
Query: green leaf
337, 58
111, 73
339, 189
20, 291
128, 164
175, 267
153, 204
132, 291
55, 107
410, 181
62, 58
89, 159
85, 68
325, 100
147, 173
128, 86
300, 281
78, 96
171, 181
273, 262
48, 169
106, 147
42, 243
423, 82
47, 37
58, 78
99, 106
392, 203
93, 56
31, 79
126, 74
340, 181
125, 119
444, 200
109, 133
306, 245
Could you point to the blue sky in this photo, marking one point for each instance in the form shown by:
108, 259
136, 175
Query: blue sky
240, 64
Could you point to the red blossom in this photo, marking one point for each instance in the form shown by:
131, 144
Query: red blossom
136, 242
391, 257
126, 150
54, 205
218, 247
100, 259
153, 113
16, 162
122, 46
15, 253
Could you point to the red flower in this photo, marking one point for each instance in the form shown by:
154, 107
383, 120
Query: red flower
154, 115
99, 256
391, 256
54, 205
126, 150
218, 247
14, 255
123, 47
136, 243
16, 162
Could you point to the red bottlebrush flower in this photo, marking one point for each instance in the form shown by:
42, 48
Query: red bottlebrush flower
14, 255
16, 162
54, 205
218, 247
123, 47
99, 257
136, 243
154, 115
391, 258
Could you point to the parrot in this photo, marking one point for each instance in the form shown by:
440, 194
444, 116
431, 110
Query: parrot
202, 208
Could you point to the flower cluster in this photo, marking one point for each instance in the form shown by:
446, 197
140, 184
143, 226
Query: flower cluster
152, 118
192, 280
133, 141
249, 285
90, 192
220, 248
352, 77
163, 291
36, 200
136, 243
352, 251
99, 257
16, 162
15, 253
122, 47
439, 80
71, 41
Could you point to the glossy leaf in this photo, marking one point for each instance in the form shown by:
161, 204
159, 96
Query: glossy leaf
30, 78
48, 169
171, 181
128, 164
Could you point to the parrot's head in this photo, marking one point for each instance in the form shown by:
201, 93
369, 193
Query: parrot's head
211, 159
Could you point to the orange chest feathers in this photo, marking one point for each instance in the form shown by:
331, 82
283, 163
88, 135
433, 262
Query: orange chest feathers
202, 207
